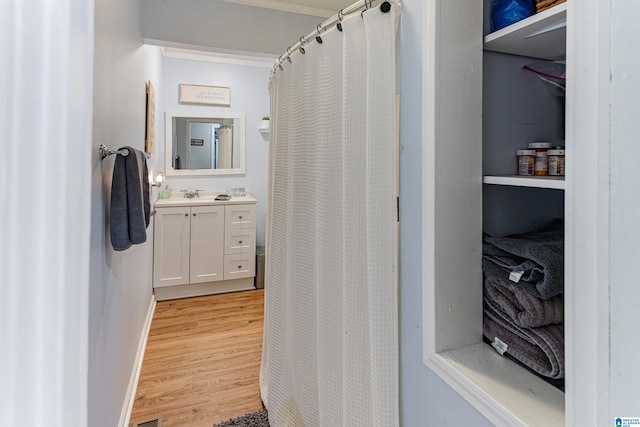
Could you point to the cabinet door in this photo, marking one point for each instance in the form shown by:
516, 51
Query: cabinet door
207, 242
171, 247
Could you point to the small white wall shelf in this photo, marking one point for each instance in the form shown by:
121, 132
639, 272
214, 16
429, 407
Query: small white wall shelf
264, 130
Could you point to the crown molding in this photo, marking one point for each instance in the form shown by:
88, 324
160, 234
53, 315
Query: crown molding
286, 7
225, 58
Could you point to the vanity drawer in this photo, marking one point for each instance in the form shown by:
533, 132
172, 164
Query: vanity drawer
239, 217
239, 241
239, 266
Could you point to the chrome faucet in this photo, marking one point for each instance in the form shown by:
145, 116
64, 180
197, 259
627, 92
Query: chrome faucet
190, 194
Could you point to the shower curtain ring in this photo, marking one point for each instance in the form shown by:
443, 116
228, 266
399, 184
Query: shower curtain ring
318, 38
366, 7
289, 55
302, 45
339, 24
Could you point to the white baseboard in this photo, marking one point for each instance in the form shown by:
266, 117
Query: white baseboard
208, 288
125, 415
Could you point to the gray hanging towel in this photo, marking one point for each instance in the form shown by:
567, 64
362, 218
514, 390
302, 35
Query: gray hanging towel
130, 207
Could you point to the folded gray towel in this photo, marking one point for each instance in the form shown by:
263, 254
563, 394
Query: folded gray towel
492, 270
539, 255
541, 349
130, 207
523, 308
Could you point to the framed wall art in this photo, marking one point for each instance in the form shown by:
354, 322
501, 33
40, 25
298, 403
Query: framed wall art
150, 133
200, 94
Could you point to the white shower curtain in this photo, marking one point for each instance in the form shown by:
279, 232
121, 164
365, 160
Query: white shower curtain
225, 148
330, 352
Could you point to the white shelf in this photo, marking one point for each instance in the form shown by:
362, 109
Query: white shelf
542, 35
264, 130
553, 182
504, 392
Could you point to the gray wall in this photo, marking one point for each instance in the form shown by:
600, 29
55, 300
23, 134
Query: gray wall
249, 95
120, 282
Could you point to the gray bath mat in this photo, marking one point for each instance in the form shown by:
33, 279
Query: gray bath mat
254, 419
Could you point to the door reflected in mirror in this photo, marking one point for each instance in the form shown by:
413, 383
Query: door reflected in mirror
205, 144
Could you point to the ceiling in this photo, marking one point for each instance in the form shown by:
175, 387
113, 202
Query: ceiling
321, 8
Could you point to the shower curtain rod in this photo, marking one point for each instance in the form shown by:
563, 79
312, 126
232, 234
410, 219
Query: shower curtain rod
358, 6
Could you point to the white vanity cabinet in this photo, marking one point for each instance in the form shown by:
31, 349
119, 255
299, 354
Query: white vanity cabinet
203, 246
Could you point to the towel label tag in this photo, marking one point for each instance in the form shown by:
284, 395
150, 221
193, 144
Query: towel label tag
500, 346
515, 276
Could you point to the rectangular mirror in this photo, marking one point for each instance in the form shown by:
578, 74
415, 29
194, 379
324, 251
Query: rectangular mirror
201, 143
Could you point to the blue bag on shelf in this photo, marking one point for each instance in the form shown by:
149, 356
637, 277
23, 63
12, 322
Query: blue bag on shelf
507, 12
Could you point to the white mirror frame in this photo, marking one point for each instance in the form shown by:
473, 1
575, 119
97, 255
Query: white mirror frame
168, 146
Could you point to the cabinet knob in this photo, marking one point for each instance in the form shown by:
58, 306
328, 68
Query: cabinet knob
240, 217
239, 267
240, 241
186, 214
194, 214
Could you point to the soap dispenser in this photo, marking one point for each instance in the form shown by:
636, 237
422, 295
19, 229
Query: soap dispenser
165, 193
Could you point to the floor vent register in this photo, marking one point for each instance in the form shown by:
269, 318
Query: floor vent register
153, 422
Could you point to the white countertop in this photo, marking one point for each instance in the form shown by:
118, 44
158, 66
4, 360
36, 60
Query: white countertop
207, 198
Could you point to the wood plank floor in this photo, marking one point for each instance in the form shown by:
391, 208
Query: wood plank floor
202, 361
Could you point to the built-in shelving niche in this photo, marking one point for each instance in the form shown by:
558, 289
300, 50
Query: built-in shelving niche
502, 391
